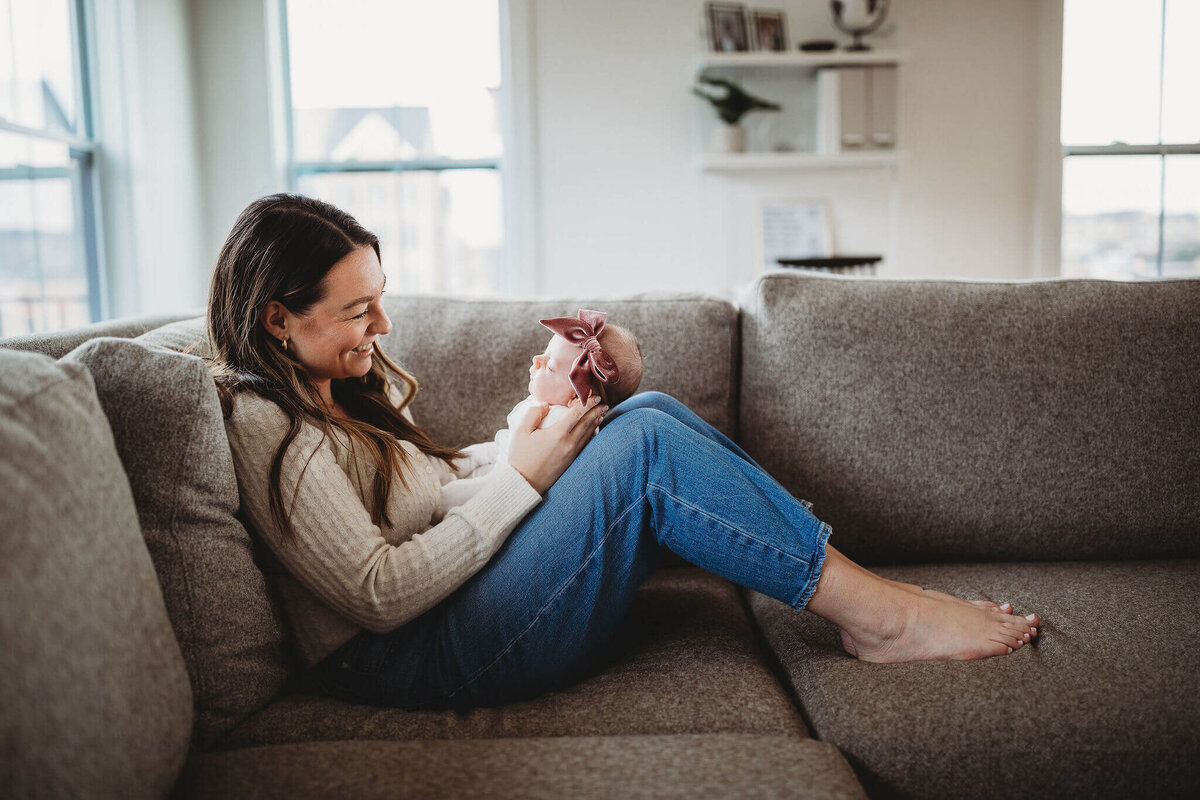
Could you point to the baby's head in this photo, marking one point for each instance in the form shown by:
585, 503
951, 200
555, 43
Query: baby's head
550, 373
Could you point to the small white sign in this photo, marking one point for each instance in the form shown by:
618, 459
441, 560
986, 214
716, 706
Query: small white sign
794, 229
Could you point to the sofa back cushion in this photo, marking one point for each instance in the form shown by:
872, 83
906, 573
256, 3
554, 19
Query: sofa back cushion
94, 700
472, 357
941, 420
57, 344
170, 435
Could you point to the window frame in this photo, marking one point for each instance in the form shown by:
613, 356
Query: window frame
1161, 149
295, 169
82, 150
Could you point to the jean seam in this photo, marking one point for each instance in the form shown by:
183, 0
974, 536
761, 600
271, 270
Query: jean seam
814, 568
558, 593
726, 525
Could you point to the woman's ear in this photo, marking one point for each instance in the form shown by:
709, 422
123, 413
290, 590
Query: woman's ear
274, 319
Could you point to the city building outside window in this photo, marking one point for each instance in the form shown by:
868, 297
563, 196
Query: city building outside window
1131, 139
393, 110
49, 263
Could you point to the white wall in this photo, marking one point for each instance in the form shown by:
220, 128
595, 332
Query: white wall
611, 198
151, 209
621, 197
237, 109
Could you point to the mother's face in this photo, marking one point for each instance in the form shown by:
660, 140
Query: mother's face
335, 339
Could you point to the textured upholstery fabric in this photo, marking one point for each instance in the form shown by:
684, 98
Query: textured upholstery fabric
185, 336
689, 344
94, 695
954, 421
685, 767
687, 661
1102, 705
170, 434
59, 343
455, 346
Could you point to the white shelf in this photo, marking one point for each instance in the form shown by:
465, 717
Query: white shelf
734, 162
833, 58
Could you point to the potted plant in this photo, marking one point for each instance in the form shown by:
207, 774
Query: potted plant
731, 104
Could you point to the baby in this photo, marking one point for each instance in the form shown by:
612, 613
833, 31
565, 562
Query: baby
585, 356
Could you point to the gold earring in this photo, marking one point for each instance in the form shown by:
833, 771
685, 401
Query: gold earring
285, 345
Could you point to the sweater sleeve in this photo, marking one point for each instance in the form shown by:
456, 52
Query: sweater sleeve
338, 552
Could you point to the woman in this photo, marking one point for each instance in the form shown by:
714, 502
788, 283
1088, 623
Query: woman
519, 589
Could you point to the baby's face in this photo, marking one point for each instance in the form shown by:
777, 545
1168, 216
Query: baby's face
550, 373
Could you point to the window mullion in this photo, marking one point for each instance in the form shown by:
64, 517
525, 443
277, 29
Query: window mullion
1132, 150
1162, 171
426, 165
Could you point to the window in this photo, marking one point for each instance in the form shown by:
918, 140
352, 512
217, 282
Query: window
49, 270
1131, 139
393, 116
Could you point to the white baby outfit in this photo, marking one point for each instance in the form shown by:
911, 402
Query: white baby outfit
482, 458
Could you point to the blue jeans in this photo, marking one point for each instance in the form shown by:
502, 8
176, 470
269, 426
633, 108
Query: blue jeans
538, 616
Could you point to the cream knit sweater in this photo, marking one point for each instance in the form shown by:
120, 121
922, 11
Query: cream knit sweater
344, 573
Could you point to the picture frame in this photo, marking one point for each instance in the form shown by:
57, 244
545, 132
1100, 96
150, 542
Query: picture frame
727, 29
793, 228
769, 30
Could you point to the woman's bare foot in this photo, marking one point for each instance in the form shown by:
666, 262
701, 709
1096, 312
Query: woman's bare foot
1003, 608
882, 622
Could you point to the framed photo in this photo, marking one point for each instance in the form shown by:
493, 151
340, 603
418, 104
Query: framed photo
727, 27
793, 228
769, 30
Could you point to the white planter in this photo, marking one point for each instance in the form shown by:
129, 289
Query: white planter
729, 138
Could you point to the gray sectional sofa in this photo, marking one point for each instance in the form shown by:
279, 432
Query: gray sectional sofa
1031, 442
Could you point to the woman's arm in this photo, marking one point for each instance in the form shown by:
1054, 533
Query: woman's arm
338, 552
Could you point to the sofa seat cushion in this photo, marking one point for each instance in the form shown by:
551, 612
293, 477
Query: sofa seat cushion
1103, 704
170, 434
687, 661
94, 695
680, 766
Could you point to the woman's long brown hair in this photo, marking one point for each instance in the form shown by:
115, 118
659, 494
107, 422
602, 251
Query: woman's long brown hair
281, 248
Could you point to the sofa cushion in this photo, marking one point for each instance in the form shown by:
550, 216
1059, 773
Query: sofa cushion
1103, 704
170, 434
955, 421
188, 336
57, 344
454, 346
687, 661
686, 767
94, 700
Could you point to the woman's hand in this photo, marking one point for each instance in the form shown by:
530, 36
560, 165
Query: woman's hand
542, 455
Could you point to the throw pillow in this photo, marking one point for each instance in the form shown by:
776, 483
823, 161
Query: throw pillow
170, 434
95, 699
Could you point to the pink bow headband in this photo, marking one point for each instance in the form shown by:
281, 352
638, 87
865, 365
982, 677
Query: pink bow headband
593, 361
